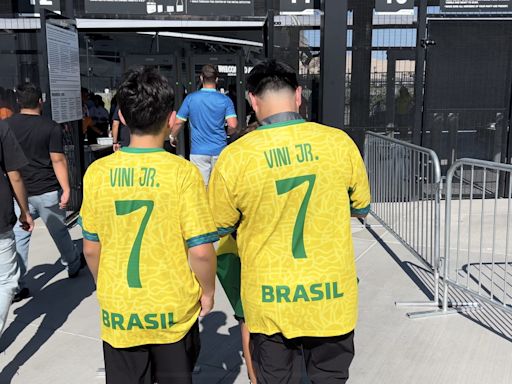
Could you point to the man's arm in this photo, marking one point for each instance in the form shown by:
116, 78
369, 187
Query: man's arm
181, 118
231, 118
203, 263
92, 251
222, 203
115, 135
20, 194
232, 125
60, 167
177, 127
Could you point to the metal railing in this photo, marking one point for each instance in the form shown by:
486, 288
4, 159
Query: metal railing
478, 227
405, 180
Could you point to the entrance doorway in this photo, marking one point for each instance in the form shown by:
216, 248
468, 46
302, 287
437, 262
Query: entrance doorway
232, 72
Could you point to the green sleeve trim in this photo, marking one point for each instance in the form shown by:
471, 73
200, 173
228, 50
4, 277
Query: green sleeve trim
88, 235
182, 118
360, 211
211, 237
230, 116
224, 231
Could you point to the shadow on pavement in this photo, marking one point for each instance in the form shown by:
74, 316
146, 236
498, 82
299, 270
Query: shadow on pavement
220, 360
55, 302
488, 317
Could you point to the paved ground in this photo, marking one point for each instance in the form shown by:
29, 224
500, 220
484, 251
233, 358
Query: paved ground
53, 336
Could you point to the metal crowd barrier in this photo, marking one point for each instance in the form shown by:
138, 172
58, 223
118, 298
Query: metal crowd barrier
405, 180
478, 227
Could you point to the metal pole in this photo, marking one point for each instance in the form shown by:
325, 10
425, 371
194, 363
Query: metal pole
269, 38
333, 50
419, 72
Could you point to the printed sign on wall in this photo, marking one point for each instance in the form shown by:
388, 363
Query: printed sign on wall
34, 6
486, 6
64, 72
394, 7
172, 7
298, 6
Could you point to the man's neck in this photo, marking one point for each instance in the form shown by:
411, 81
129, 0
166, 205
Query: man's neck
209, 85
276, 111
147, 141
29, 111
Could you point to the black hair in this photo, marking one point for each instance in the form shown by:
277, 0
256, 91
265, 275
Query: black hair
28, 95
145, 99
210, 73
271, 75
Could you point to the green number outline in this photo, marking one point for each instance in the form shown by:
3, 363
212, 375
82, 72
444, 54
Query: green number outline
285, 186
125, 207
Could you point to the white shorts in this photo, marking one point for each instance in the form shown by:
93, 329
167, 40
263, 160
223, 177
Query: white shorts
205, 164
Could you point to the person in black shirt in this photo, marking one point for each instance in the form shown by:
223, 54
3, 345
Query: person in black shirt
46, 179
120, 132
11, 161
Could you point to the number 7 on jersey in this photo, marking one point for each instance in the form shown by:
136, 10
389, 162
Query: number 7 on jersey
125, 207
285, 186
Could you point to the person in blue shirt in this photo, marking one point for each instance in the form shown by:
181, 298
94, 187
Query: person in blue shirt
206, 111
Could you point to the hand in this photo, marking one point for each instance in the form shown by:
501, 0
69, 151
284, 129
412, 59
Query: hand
207, 302
116, 147
86, 124
173, 141
27, 223
64, 199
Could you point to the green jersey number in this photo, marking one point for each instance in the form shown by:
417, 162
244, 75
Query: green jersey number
285, 186
125, 207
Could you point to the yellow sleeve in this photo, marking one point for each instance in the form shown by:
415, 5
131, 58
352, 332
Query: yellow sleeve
359, 189
88, 216
225, 214
197, 224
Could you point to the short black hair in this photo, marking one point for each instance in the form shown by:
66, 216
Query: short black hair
145, 99
28, 95
271, 75
210, 73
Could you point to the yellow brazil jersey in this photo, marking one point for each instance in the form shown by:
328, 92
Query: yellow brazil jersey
289, 189
145, 207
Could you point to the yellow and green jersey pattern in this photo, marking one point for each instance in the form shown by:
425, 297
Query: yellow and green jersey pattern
289, 189
146, 207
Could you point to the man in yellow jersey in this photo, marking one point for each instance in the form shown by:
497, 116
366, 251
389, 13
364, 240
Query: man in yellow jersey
289, 188
143, 210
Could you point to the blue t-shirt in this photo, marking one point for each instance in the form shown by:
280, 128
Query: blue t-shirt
206, 111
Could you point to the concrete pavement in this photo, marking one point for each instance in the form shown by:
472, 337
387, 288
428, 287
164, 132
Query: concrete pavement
53, 337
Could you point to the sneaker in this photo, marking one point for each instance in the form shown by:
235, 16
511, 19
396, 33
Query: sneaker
21, 295
83, 263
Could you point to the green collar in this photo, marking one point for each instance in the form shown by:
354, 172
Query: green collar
282, 124
141, 150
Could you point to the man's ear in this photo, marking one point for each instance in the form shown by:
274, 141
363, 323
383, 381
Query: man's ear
121, 117
253, 100
298, 97
172, 119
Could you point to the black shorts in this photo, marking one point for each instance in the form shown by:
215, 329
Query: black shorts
277, 359
155, 363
